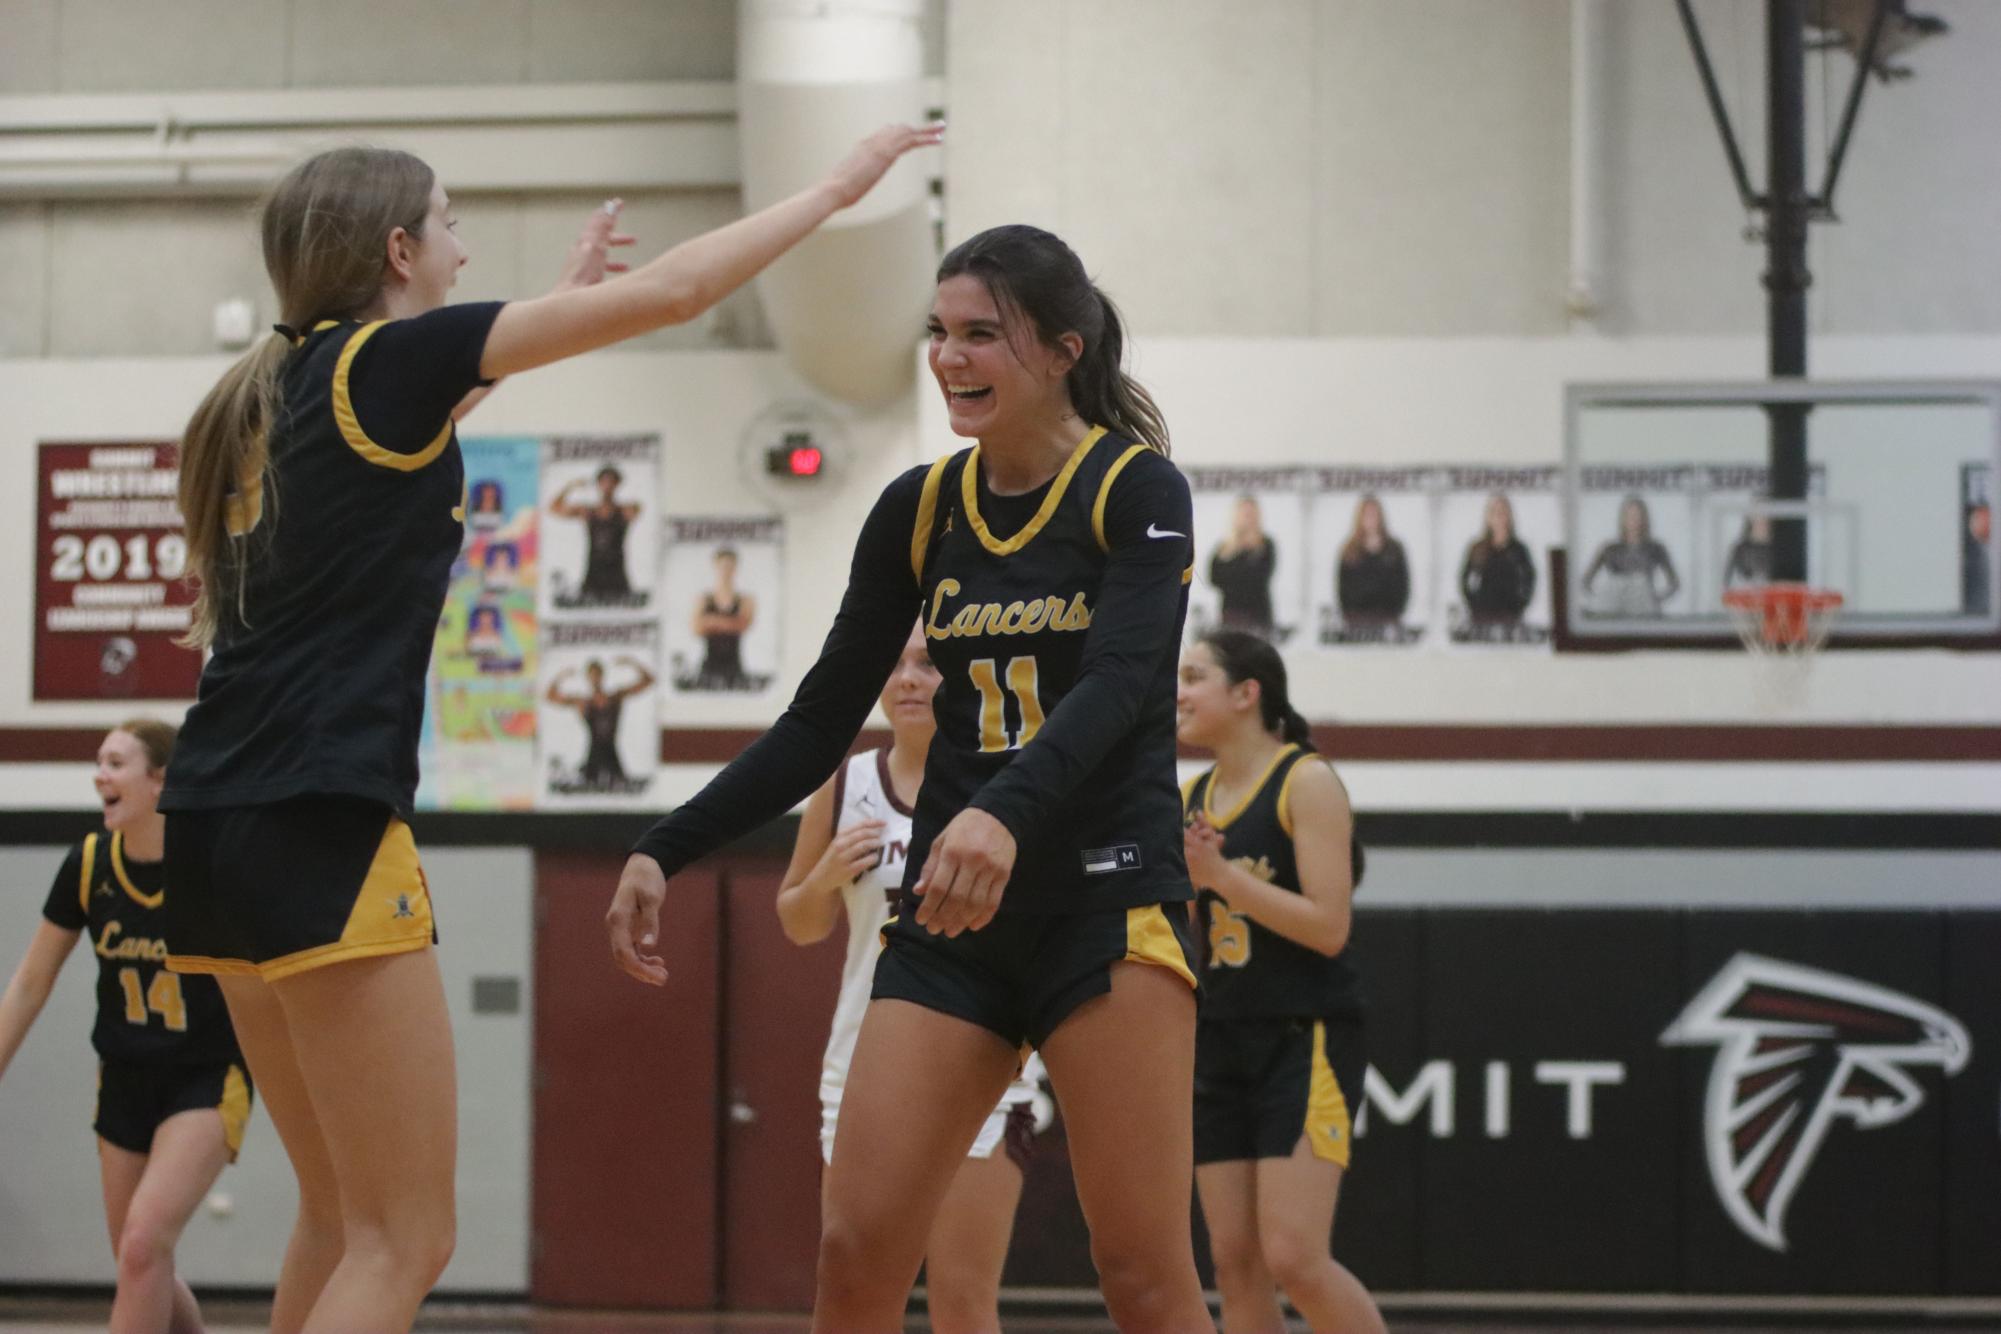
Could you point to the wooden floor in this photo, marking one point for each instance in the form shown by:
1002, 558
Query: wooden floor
21, 1316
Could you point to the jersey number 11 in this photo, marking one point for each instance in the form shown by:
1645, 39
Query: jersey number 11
1023, 682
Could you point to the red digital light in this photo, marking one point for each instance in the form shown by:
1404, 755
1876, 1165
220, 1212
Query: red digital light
804, 461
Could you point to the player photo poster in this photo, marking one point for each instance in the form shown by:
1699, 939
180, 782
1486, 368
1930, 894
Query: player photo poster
598, 724
600, 524
721, 609
1369, 555
1495, 529
478, 744
109, 555
1250, 551
1636, 538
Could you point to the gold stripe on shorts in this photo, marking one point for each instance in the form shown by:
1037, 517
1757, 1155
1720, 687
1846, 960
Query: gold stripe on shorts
1149, 939
235, 1108
1327, 1128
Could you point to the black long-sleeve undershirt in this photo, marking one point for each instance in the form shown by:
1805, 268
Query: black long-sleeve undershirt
1135, 620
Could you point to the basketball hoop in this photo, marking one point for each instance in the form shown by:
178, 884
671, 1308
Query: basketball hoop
1783, 625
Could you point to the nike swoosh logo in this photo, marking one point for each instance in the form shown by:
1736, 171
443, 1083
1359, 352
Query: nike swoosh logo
1153, 530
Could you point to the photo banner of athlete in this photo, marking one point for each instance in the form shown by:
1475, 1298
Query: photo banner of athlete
598, 719
1370, 556
1250, 551
109, 555
478, 744
600, 530
1495, 529
721, 611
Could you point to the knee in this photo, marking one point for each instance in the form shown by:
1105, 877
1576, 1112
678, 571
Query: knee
850, 1268
1137, 1285
1294, 1261
416, 1239
1236, 1258
143, 1244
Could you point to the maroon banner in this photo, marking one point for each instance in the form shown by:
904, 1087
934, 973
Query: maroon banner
109, 600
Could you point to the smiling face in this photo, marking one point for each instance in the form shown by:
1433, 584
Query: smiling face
906, 696
1207, 704
997, 375
127, 785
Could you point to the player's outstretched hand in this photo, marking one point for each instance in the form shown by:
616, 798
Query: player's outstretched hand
874, 156
633, 923
963, 877
589, 258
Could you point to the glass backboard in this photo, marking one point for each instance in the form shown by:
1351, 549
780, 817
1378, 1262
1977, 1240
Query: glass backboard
1666, 506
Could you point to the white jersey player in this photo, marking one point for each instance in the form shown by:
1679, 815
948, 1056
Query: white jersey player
849, 860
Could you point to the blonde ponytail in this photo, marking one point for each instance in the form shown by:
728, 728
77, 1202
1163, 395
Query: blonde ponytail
225, 489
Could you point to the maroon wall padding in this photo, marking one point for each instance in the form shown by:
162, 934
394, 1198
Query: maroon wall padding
779, 1004
625, 1097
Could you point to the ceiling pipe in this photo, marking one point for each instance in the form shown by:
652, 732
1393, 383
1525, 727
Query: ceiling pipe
814, 77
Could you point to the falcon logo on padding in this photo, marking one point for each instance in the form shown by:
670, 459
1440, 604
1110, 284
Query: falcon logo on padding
1798, 1049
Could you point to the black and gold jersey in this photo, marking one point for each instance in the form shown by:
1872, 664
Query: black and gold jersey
1054, 618
145, 1014
1011, 585
1251, 971
316, 684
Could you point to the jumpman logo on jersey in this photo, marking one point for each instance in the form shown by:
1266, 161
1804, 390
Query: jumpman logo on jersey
402, 905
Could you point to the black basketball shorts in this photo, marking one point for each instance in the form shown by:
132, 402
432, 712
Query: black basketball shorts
275, 890
133, 1099
1023, 974
1262, 1084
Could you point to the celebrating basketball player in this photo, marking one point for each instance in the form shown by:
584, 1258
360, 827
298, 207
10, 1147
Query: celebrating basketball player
1048, 565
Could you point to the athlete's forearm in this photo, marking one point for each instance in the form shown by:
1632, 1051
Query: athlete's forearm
1294, 916
19, 1005
807, 911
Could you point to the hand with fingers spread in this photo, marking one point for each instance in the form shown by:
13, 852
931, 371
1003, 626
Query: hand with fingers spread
960, 889
873, 157
1202, 846
589, 259
633, 922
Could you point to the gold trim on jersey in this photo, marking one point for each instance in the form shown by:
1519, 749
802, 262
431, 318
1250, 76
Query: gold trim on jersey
152, 900
350, 425
1150, 939
1222, 822
1327, 1125
969, 495
1285, 800
927, 515
83, 881
235, 1109
1105, 491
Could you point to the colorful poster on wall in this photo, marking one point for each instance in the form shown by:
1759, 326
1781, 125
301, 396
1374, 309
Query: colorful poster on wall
1250, 551
721, 613
600, 541
599, 721
109, 555
478, 746
1637, 525
1370, 555
1495, 529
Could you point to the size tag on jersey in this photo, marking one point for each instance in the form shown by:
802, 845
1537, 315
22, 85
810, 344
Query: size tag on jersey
1099, 861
